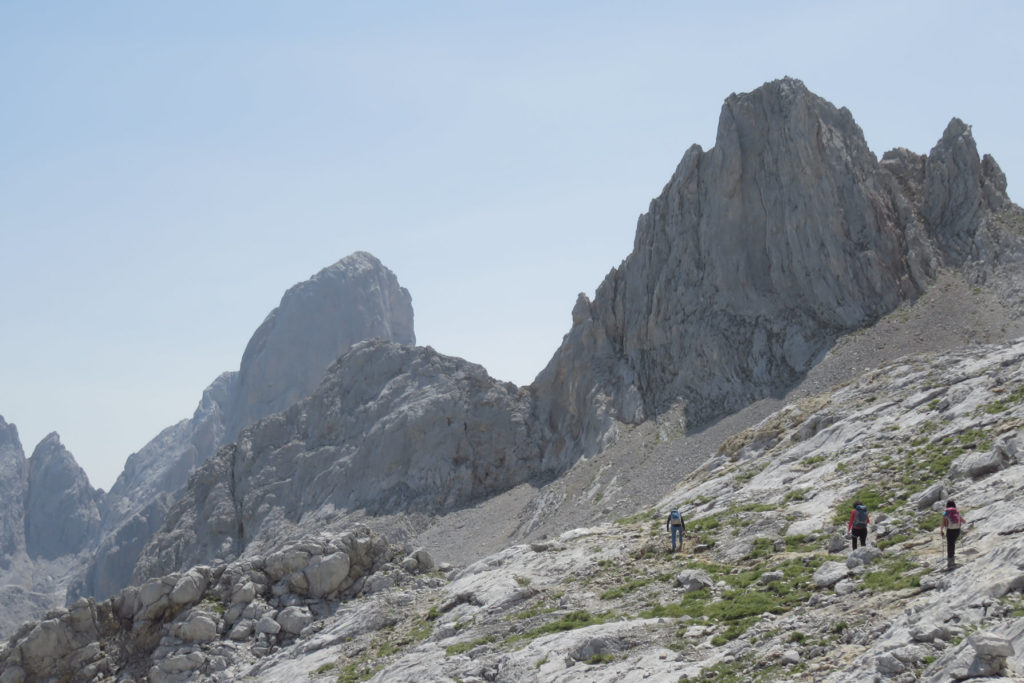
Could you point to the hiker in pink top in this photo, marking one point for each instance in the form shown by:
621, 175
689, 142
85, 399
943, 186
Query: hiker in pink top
952, 521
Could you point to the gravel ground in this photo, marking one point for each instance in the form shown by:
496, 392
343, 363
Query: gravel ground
649, 460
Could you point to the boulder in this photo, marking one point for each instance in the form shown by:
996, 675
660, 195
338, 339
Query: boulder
327, 574
931, 495
189, 588
693, 579
977, 465
242, 630
888, 665
991, 645
245, 593
829, 574
282, 563
294, 619
197, 627
836, 543
862, 556
267, 624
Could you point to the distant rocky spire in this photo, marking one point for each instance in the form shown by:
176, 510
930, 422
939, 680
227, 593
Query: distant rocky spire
61, 512
355, 299
13, 483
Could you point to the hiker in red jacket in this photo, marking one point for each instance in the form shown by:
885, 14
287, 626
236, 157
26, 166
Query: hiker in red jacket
952, 521
858, 524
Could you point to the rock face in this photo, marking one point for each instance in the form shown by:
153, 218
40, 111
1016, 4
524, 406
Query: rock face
61, 508
13, 484
391, 428
357, 298
758, 254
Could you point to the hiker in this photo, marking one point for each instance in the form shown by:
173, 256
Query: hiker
678, 526
858, 524
952, 521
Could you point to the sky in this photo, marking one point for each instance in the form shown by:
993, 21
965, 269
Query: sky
168, 170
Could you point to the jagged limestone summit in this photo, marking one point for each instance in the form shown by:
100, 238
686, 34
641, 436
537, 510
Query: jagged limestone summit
784, 260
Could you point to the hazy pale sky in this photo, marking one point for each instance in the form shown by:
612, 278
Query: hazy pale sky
168, 170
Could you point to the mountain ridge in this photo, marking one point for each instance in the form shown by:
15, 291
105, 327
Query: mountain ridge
686, 342
789, 198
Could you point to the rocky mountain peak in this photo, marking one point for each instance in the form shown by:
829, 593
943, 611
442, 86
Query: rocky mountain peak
758, 254
357, 298
61, 507
317, 320
13, 482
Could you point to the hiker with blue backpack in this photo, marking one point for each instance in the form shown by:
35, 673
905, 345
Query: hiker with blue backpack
677, 525
858, 524
952, 521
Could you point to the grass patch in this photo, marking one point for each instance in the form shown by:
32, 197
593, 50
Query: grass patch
812, 461
1004, 403
459, 648
646, 515
794, 495
895, 573
570, 621
420, 631
798, 543
356, 672
763, 547
890, 541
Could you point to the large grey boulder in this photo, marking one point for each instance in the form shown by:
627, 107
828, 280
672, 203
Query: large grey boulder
61, 509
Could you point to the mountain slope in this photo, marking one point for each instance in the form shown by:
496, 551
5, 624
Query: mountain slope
758, 255
765, 589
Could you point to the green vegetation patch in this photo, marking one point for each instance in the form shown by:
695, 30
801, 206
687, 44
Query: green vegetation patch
893, 573
630, 586
459, 648
741, 605
799, 543
1003, 403
570, 621
356, 672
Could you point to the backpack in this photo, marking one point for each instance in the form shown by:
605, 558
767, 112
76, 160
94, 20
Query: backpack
860, 517
676, 519
952, 518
